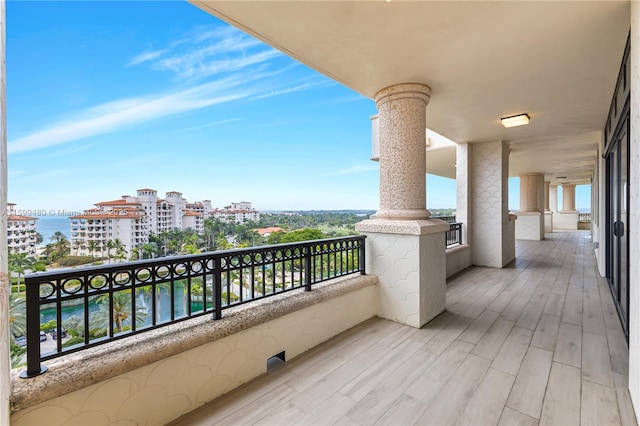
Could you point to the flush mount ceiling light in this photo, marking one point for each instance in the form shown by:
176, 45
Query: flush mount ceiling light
515, 120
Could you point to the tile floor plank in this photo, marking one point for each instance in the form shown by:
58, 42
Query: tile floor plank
488, 401
599, 405
595, 359
562, 399
528, 390
513, 351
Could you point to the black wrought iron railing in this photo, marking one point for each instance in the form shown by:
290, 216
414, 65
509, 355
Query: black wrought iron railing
450, 219
92, 306
454, 234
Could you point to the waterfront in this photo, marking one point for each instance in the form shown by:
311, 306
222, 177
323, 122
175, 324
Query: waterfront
49, 225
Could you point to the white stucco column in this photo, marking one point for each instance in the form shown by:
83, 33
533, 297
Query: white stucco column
402, 124
548, 214
492, 229
405, 249
568, 198
553, 198
547, 184
5, 363
634, 211
567, 218
463, 194
530, 224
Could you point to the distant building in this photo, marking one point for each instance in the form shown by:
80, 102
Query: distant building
265, 232
236, 213
21, 232
131, 219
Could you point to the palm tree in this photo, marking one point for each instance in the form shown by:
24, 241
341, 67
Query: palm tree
93, 246
57, 237
151, 248
121, 313
19, 263
121, 252
135, 253
17, 316
77, 244
110, 245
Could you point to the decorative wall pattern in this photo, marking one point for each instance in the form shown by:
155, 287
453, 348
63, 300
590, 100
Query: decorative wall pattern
411, 273
162, 391
488, 206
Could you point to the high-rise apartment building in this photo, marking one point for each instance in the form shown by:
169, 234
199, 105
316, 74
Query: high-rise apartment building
21, 231
236, 212
131, 219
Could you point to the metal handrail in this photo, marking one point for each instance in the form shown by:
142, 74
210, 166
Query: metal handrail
454, 234
128, 297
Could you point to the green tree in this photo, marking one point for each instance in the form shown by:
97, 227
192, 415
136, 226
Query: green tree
19, 263
110, 245
150, 248
17, 316
93, 246
121, 313
57, 237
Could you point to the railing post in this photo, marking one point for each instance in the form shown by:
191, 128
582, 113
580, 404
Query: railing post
459, 233
217, 289
34, 368
361, 257
307, 268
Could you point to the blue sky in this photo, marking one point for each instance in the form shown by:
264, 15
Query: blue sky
104, 98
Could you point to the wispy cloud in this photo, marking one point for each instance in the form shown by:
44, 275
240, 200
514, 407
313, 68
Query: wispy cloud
145, 57
358, 168
293, 89
215, 123
235, 65
115, 115
208, 52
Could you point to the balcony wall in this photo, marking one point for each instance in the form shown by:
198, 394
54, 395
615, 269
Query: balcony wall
458, 259
155, 377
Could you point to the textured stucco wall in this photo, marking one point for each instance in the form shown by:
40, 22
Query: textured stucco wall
408, 257
458, 259
162, 391
565, 221
634, 208
489, 167
463, 200
548, 221
530, 226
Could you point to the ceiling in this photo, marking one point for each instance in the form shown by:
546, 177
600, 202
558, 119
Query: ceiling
557, 61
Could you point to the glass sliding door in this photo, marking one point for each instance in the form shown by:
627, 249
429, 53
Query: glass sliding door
618, 223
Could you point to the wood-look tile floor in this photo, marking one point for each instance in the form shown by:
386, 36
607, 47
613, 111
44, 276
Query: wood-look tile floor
538, 342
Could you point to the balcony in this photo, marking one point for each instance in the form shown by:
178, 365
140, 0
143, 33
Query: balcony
537, 341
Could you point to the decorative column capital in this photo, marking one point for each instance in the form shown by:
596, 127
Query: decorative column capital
403, 91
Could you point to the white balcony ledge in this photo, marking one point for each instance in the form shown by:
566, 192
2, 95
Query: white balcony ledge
77, 382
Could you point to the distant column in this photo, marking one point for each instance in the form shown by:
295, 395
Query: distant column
530, 224
548, 214
402, 110
546, 195
529, 188
568, 198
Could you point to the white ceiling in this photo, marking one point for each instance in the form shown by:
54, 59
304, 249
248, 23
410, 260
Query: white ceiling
557, 61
